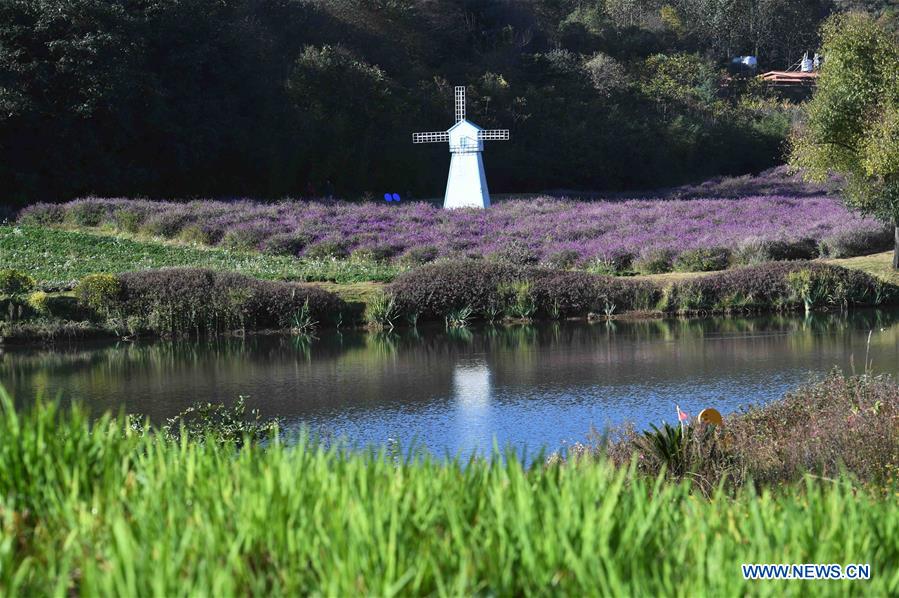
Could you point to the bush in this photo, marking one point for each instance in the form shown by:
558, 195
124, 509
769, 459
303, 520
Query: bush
166, 224
563, 260
99, 292
378, 253
515, 253
768, 286
610, 265
327, 250
186, 301
243, 239
517, 298
655, 261
39, 301
418, 256
129, 219
582, 293
85, 212
14, 283
857, 242
42, 214
838, 424
435, 290
285, 244
196, 235
702, 260
757, 251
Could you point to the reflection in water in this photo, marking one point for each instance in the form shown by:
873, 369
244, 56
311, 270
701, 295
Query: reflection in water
471, 391
456, 391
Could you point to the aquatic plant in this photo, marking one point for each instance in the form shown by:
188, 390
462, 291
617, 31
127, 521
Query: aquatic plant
518, 299
381, 311
459, 318
202, 422
303, 321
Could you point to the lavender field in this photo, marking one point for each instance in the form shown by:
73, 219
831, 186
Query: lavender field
560, 232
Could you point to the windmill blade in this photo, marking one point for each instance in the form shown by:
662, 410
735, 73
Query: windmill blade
432, 137
460, 103
494, 135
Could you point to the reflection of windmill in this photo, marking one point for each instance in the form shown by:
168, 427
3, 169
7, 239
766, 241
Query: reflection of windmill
466, 186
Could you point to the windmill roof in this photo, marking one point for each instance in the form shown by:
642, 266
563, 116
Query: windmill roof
464, 121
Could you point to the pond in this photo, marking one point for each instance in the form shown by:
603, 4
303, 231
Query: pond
460, 391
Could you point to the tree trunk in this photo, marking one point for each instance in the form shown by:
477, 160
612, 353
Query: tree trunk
896, 245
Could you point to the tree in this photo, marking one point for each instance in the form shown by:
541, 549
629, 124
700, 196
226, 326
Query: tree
852, 121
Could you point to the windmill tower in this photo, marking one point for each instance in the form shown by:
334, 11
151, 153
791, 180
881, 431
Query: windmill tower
466, 186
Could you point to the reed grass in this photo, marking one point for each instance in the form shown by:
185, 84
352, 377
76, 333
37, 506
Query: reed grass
94, 507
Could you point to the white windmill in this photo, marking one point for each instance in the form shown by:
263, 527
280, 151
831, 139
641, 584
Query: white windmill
466, 185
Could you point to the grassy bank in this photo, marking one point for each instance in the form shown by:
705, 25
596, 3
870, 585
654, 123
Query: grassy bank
80, 511
458, 291
58, 258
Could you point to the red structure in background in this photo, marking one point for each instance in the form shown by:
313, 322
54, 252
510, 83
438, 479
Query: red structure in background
790, 78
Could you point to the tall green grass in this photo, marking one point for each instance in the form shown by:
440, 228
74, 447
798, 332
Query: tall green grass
94, 507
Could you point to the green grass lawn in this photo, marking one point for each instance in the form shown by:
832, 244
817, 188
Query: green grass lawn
878, 264
61, 256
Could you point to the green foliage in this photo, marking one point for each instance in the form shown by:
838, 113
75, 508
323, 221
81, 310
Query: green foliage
15, 283
128, 219
654, 262
303, 98
702, 260
327, 250
518, 298
39, 301
59, 257
852, 122
813, 288
303, 321
217, 422
291, 244
100, 292
242, 239
459, 318
227, 521
563, 260
381, 311
757, 251
417, 256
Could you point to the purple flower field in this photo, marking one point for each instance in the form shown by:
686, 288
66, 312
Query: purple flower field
539, 229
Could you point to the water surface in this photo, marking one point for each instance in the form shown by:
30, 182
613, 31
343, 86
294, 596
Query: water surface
459, 391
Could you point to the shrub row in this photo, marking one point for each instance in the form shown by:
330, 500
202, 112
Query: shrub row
437, 290
184, 301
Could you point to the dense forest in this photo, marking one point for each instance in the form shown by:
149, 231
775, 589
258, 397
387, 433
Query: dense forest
267, 98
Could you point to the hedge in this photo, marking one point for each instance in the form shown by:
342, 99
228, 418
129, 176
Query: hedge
435, 290
191, 300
